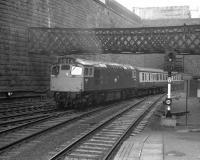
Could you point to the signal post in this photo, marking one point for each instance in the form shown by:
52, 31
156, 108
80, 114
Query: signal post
167, 119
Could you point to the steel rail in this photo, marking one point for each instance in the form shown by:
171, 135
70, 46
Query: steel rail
92, 131
26, 114
111, 152
31, 136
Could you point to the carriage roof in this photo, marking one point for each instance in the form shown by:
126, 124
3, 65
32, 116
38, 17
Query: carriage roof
143, 69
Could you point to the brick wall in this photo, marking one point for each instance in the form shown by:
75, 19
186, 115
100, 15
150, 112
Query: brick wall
24, 71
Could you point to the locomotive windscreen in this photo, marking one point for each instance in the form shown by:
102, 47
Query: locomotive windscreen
55, 70
65, 67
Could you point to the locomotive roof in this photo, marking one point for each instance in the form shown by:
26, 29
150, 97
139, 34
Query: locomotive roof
103, 64
109, 64
149, 69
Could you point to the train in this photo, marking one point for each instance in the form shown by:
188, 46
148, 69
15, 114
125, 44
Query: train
78, 82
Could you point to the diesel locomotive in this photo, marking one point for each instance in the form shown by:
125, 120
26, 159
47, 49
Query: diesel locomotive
77, 82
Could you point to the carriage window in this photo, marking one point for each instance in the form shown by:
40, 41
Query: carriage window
77, 71
147, 77
165, 77
150, 77
143, 77
157, 76
153, 77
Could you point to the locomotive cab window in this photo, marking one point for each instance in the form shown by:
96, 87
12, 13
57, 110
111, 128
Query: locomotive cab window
134, 74
76, 71
55, 70
88, 72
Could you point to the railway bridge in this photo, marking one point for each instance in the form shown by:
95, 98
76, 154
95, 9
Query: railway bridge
182, 39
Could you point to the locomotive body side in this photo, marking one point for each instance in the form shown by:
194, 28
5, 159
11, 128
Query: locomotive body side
109, 81
109, 78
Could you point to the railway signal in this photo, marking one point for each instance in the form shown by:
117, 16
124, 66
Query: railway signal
170, 60
9, 94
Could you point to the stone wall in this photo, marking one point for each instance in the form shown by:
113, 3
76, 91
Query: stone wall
24, 71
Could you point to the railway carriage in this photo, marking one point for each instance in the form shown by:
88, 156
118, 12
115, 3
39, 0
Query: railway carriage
76, 81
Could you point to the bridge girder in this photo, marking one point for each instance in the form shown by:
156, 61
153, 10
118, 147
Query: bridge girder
182, 39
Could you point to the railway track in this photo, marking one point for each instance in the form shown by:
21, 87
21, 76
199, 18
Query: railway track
13, 117
17, 114
82, 123
8, 126
102, 140
9, 110
22, 104
23, 133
